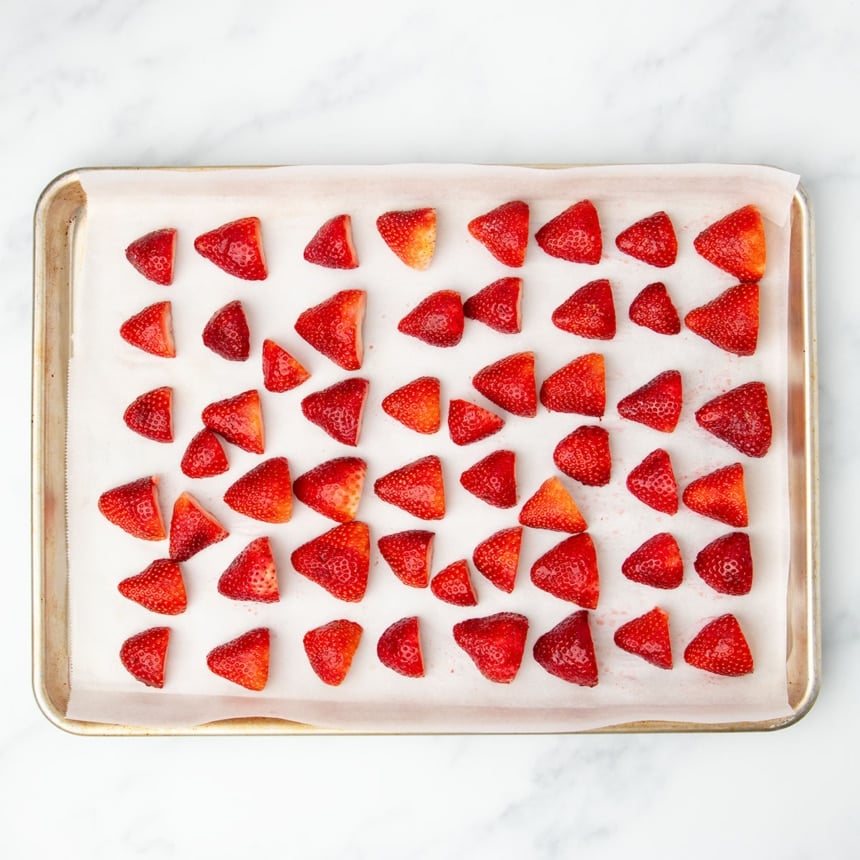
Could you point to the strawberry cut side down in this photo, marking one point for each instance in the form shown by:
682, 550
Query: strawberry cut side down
657, 404
238, 420
498, 306
332, 245
498, 557
653, 482
504, 232
416, 405
243, 660
204, 457
579, 387
151, 415
730, 321
151, 330
567, 651
227, 333
657, 563
453, 584
411, 235
726, 564
436, 320
468, 422
552, 507
493, 479
192, 528
589, 312
330, 649
252, 575
647, 637
736, 244
399, 648
720, 647
584, 455
236, 248
417, 488
495, 644
651, 240
144, 655
159, 588
264, 493
281, 371
510, 384
153, 255
573, 235
135, 509
569, 571
720, 495
333, 488
338, 560
334, 328
740, 417
409, 554
653, 308
339, 409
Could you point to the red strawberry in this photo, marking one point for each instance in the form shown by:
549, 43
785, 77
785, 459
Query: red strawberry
243, 660
333, 488
495, 643
736, 244
552, 507
498, 305
330, 649
239, 420
204, 456
584, 455
399, 648
720, 495
648, 637
151, 415
264, 493
281, 371
730, 321
338, 409
510, 383
333, 327
332, 245
151, 330
589, 312
726, 564
498, 557
417, 488
153, 254
653, 309
437, 320
159, 588
656, 563
504, 232
192, 528
493, 479
578, 387
740, 417
145, 654
651, 240
134, 508
569, 571
411, 235
656, 404
468, 422
227, 334
252, 574
653, 482
237, 248
567, 651
573, 235
409, 554
338, 560
453, 584
720, 647
416, 405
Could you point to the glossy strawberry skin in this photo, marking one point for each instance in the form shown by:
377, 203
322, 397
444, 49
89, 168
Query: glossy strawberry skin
579, 387
736, 244
243, 660
264, 493
585, 456
726, 564
740, 417
339, 409
510, 384
569, 571
409, 554
721, 648
436, 320
338, 560
144, 655
730, 321
332, 245
281, 371
151, 330
151, 415
498, 305
552, 507
252, 575
334, 328
497, 558
159, 588
411, 235
493, 479
657, 563
468, 422
720, 495
567, 651
647, 637
153, 255
333, 488
589, 312
653, 482
239, 420
227, 333
573, 235
453, 584
399, 648
416, 405
653, 308
237, 248
504, 231
204, 457
651, 240
495, 644
134, 507
330, 649
657, 404
192, 528
417, 488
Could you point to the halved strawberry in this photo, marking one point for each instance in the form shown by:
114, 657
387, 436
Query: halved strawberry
730, 321
204, 456
399, 648
436, 320
159, 588
151, 415
192, 528
281, 371
653, 482
569, 571
331, 648
657, 563
567, 651
584, 455
653, 308
647, 637
332, 245
468, 422
651, 240
498, 305
145, 654
493, 479
453, 585
736, 244
495, 643
417, 488
339, 409
588, 312
579, 387
573, 235
720, 495
243, 660
498, 557
237, 248
409, 554
552, 507
151, 330
134, 508
264, 493
227, 333
338, 560
656, 404
333, 488
333, 327
720, 647
504, 232
740, 417
252, 575
153, 255
510, 383
416, 405
239, 420
411, 235
726, 564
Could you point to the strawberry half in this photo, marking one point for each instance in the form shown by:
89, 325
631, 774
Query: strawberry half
736, 244
417, 488
493, 479
579, 387
573, 235
204, 456
468, 422
584, 455
653, 482
331, 648
192, 528
338, 560
740, 417
552, 507
151, 330
281, 371
730, 321
720, 495
151, 415
657, 404
498, 557
720, 647
264, 493
243, 660
338, 409
134, 508
333, 488
510, 383
227, 333
252, 575
145, 654
567, 651
498, 305
726, 564
504, 232
647, 637
569, 571
159, 588
411, 235
653, 308
495, 644
409, 554
237, 248
651, 240
453, 585
416, 405
333, 327
239, 420
437, 320
589, 312
399, 648
153, 255
332, 245
657, 563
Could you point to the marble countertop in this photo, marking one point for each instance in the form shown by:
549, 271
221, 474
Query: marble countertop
84, 82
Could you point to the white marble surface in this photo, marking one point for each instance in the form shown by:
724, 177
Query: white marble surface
97, 83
